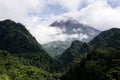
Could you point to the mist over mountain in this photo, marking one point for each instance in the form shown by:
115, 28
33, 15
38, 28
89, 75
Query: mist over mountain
22, 55
59, 39
97, 59
106, 39
73, 30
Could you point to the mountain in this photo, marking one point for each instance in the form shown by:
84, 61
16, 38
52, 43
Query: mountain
77, 48
109, 38
102, 61
106, 39
73, 28
17, 40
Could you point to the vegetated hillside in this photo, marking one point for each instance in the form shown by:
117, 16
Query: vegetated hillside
106, 39
73, 28
16, 39
101, 63
11, 68
23, 58
75, 50
109, 38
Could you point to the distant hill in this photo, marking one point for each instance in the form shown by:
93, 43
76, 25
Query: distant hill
73, 28
56, 48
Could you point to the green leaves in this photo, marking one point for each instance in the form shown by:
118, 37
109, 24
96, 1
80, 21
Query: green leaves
11, 68
100, 64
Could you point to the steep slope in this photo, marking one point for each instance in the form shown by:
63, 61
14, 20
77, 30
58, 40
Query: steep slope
106, 39
17, 40
73, 28
100, 64
109, 38
77, 48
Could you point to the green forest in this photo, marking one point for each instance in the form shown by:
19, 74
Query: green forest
23, 58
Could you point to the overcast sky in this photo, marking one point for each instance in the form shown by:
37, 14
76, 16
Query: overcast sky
36, 15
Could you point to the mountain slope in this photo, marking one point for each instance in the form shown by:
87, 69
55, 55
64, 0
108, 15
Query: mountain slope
77, 48
101, 63
106, 39
109, 38
17, 40
74, 30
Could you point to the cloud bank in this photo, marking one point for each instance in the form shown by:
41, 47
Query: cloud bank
37, 15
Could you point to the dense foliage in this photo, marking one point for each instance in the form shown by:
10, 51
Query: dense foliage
100, 64
109, 38
16, 39
77, 48
11, 68
102, 61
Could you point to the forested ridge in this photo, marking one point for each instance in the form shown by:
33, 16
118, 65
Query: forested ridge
23, 58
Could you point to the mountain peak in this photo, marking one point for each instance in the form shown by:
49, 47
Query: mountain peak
75, 31
69, 22
16, 38
8, 20
114, 29
73, 27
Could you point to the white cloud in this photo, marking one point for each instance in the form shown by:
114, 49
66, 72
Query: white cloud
45, 34
76, 30
71, 5
19, 10
97, 13
100, 15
